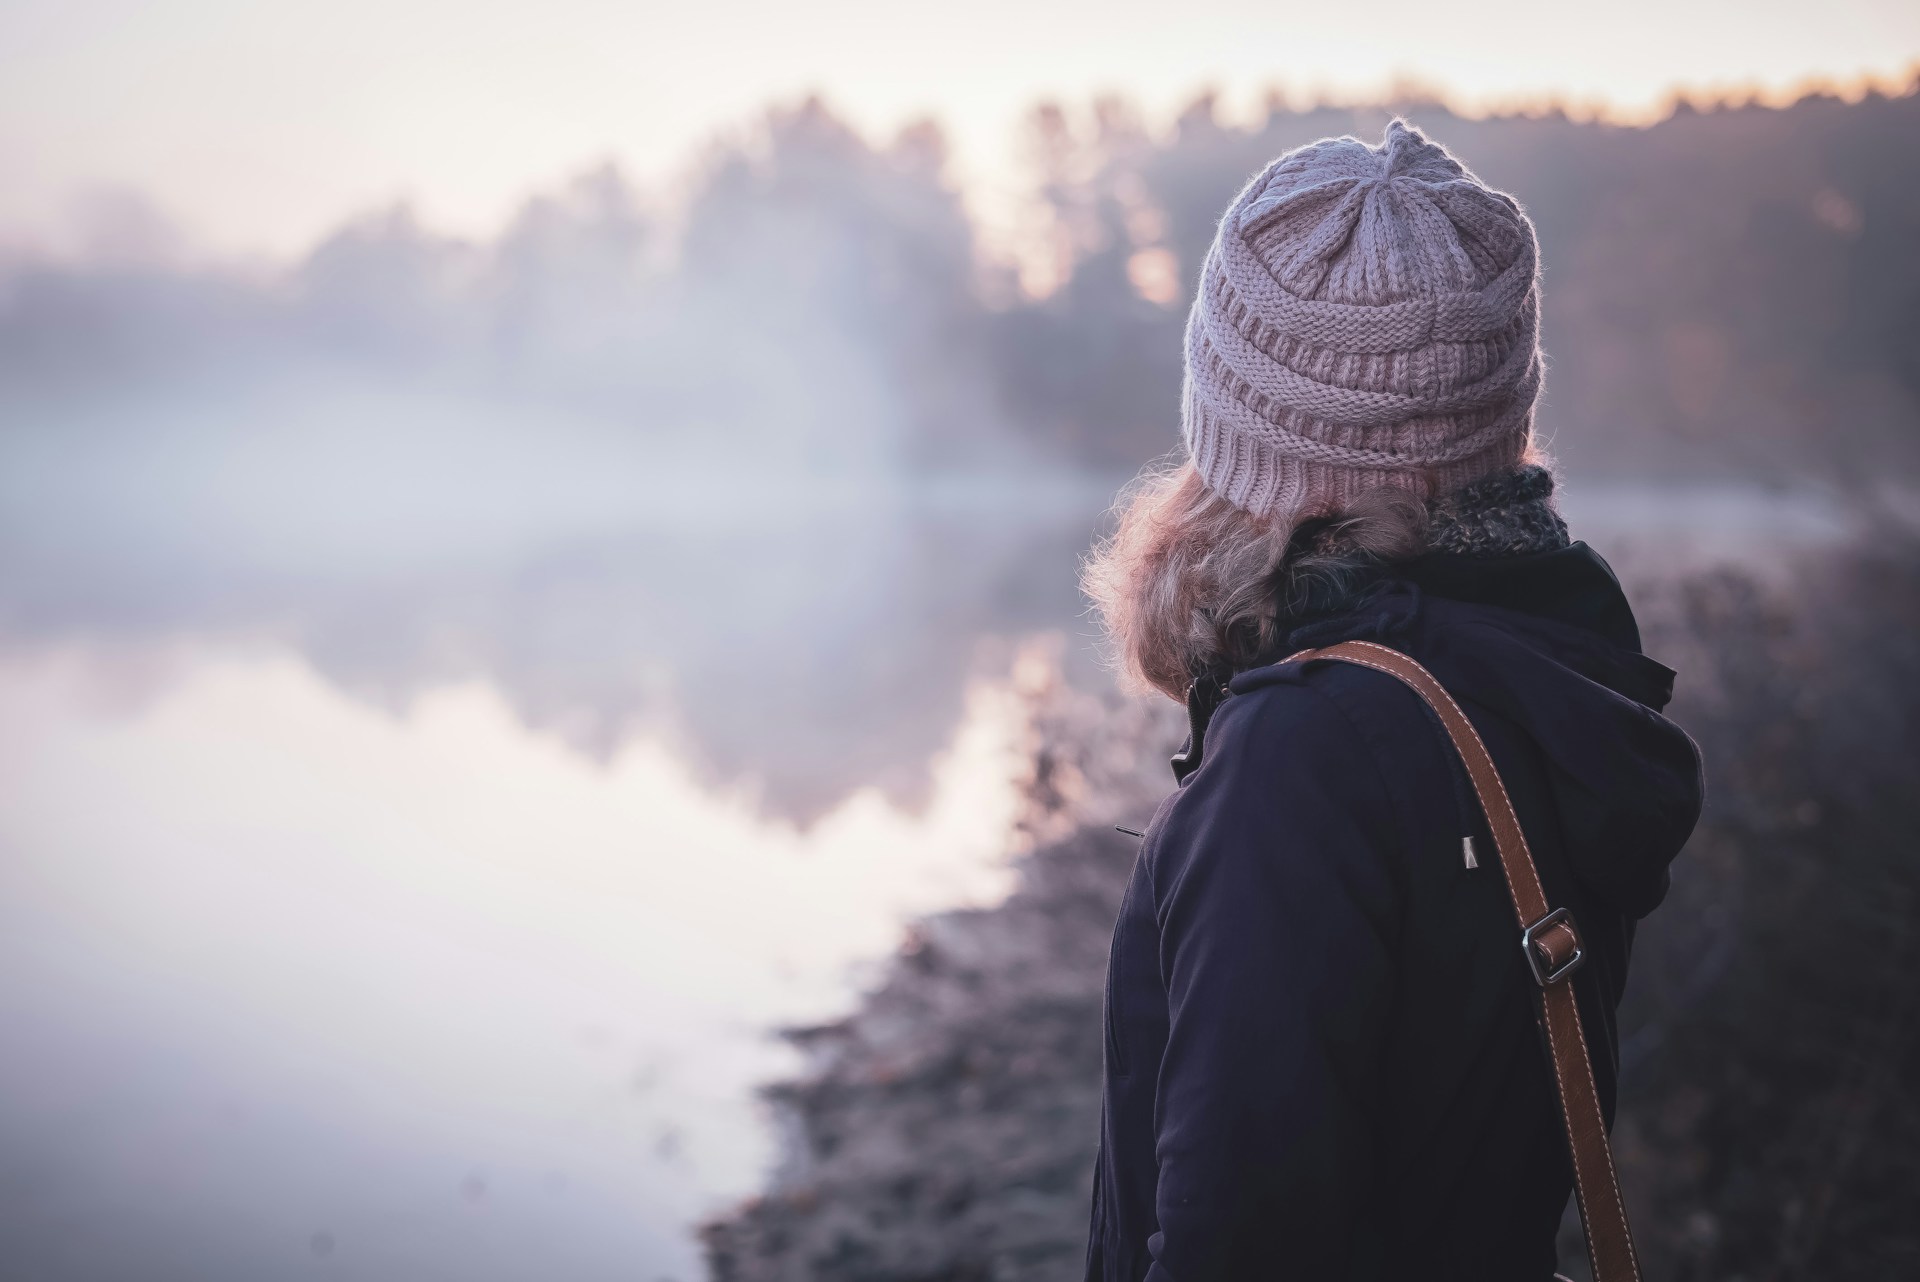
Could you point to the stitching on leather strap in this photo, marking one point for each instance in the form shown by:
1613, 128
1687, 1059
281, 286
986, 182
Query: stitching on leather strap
1600, 1121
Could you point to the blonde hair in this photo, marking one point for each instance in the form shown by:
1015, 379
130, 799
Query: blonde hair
1189, 583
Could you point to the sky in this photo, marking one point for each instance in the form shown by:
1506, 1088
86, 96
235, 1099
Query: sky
255, 128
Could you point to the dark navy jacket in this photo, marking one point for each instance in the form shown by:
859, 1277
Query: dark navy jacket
1321, 1055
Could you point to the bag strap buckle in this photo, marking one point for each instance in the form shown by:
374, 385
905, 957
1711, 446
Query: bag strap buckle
1553, 957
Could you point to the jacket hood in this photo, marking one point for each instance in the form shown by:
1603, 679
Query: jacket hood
1549, 642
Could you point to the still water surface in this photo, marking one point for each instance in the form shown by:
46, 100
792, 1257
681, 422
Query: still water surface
295, 986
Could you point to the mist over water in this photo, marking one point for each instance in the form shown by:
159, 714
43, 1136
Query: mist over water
444, 737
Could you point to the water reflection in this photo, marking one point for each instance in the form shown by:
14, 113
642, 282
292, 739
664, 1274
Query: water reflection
288, 979
811, 631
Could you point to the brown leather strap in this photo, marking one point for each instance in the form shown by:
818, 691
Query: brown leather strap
1554, 951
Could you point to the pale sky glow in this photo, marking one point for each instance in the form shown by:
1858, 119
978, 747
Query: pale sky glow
260, 126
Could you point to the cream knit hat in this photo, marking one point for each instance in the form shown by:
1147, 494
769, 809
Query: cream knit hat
1368, 316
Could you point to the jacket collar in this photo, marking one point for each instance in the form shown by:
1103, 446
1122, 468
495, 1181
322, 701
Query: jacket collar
1572, 585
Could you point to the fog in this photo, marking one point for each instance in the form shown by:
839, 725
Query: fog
601, 482
458, 700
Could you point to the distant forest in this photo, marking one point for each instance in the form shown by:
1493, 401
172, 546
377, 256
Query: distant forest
1732, 290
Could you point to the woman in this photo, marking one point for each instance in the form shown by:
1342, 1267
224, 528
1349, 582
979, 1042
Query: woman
1322, 1056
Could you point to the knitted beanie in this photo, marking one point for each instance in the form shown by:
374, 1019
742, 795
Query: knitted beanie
1368, 316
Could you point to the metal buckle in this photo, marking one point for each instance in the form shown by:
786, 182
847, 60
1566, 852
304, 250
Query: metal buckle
1557, 917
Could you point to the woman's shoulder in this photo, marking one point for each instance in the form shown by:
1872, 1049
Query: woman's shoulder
1315, 707
1289, 809
1282, 709
1280, 752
